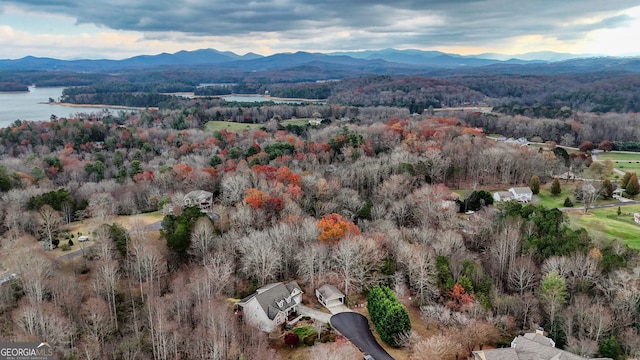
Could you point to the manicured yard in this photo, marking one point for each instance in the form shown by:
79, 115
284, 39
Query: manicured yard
619, 156
231, 126
545, 198
633, 166
607, 222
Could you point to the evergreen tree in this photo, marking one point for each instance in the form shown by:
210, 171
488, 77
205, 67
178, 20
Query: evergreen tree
555, 187
534, 185
633, 188
607, 188
610, 348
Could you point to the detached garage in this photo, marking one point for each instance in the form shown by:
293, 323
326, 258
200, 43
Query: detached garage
329, 295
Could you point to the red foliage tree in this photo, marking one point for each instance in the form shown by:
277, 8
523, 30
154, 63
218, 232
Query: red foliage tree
255, 198
605, 145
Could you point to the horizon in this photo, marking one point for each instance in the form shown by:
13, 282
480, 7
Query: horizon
109, 30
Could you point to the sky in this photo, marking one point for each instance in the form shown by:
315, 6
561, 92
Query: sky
118, 29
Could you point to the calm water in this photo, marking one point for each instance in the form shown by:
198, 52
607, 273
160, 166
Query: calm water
33, 106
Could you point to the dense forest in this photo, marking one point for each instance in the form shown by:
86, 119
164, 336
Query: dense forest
365, 198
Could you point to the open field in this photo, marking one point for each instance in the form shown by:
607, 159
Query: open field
607, 222
86, 227
231, 126
633, 166
297, 122
622, 156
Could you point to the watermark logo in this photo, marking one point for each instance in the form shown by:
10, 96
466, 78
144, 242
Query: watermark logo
25, 351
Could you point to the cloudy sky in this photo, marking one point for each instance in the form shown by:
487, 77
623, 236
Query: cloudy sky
117, 29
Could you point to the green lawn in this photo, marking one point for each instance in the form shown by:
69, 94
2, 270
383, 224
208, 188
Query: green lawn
607, 222
231, 126
633, 166
619, 156
545, 198
297, 122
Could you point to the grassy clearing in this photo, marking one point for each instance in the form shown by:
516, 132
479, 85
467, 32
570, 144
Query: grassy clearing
86, 227
633, 166
297, 122
613, 155
607, 222
549, 201
231, 126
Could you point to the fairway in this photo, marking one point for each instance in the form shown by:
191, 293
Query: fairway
607, 222
231, 126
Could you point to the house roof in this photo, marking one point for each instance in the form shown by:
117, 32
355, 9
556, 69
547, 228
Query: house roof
504, 195
521, 190
330, 292
275, 297
497, 354
530, 346
198, 196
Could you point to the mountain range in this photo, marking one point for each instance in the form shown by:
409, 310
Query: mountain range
386, 61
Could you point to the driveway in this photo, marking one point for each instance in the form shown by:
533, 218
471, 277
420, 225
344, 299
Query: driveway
323, 317
355, 327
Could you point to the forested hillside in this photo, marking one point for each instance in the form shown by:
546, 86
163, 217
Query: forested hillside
373, 195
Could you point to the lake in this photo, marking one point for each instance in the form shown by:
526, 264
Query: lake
34, 106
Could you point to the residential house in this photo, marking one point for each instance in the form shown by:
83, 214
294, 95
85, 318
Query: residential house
328, 295
522, 194
502, 196
200, 198
270, 306
530, 346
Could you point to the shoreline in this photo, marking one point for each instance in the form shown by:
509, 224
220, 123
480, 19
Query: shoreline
98, 106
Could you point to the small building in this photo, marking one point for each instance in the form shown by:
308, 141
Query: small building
270, 306
200, 198
328, 295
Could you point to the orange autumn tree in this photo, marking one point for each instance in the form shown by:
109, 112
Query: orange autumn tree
334, 227
255, 198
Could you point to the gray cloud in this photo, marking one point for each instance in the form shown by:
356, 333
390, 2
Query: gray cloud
355, 23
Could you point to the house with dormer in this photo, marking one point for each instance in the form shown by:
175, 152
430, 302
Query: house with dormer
270, 306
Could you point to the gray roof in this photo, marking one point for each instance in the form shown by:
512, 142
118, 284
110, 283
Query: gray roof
531, 346
275, 297
522, 190
330, 292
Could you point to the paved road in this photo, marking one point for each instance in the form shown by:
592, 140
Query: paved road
355, 327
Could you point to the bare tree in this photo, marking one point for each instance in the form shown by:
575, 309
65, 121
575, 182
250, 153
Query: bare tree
95, 315
589, 195
105, 284
504, 251
355, 259
50, 221
260, 257
420, 268
202, 239
312, 260
34, 269
333, 351
523, 275
436, 347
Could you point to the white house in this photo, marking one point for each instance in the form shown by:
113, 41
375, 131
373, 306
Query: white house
270, 306
329, 295
522, 194
499, 196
